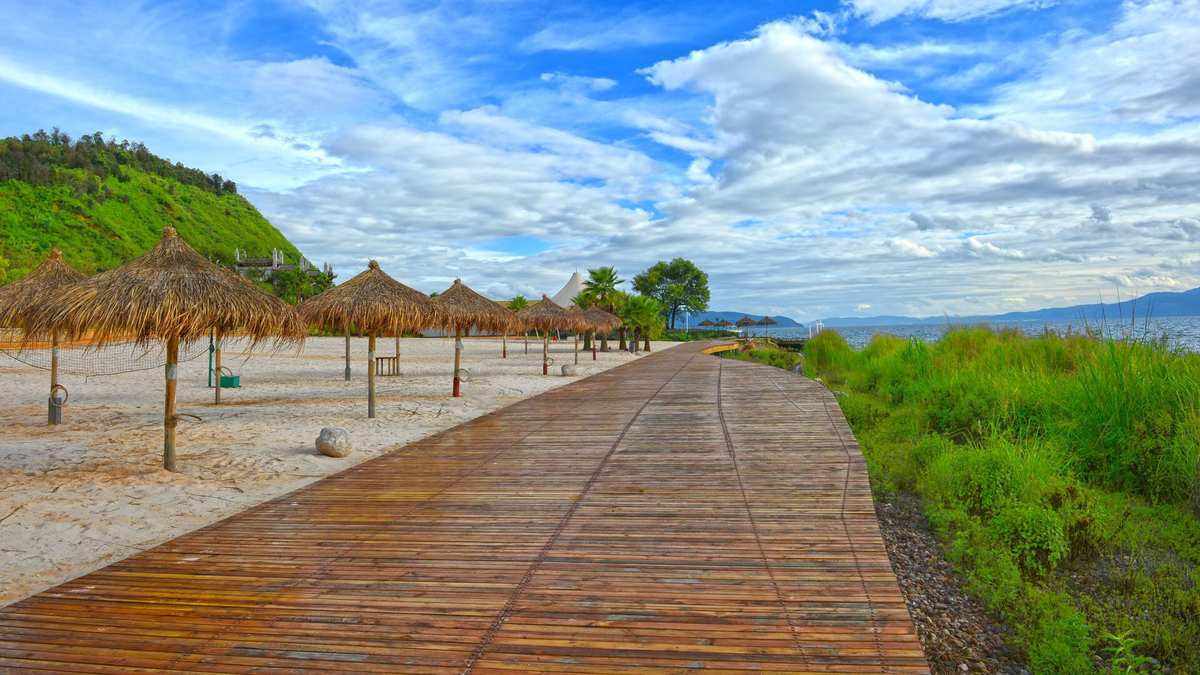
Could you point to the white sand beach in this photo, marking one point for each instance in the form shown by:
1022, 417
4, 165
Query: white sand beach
91, 491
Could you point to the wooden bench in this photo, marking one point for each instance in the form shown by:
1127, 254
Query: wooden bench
387, 365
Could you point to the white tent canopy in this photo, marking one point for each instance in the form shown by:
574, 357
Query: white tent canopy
573, 288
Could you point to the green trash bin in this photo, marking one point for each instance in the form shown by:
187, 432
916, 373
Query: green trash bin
228, 380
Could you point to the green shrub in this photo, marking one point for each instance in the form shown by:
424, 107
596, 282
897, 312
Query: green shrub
1034, 534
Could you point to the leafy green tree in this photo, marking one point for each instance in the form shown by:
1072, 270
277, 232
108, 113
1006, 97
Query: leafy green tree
679, 285
601, 291
295, 285
644, 315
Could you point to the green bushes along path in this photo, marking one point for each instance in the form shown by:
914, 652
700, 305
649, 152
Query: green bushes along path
1061, 473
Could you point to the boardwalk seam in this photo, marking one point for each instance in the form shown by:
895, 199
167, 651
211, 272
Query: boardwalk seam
762, 551
498, 622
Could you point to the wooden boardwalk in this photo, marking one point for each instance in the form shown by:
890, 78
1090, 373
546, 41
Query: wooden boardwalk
675, 513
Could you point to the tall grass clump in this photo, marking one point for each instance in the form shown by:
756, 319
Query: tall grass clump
1062, 472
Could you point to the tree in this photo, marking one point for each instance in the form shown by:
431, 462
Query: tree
601, 291
643, 314
678, 285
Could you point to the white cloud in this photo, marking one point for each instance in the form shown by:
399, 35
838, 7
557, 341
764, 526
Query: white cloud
909, 248
878, 11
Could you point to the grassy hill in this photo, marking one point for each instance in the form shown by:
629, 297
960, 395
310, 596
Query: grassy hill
104, 203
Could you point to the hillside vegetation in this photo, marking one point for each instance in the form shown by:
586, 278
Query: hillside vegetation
104, 202
1061, 473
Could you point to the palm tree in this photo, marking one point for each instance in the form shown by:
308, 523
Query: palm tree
618, 307
515, 305
583, 302
644, 315
601, 285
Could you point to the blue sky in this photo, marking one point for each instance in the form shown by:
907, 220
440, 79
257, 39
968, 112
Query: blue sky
817, 159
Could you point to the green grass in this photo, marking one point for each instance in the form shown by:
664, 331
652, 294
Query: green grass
122, 219
1061, 473
767, 354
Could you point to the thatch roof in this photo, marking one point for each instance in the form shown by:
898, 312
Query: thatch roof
600, 320
547, 316
170, 291
746, 321
465, 309
22, 299
372, 302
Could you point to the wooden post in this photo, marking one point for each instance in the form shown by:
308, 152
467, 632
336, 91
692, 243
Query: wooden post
526, 342
217, 365
53, 371
397, 344
347, 353
169, 418
371, 376
593, 345
504, 346
458, 347
576, 347
546, 354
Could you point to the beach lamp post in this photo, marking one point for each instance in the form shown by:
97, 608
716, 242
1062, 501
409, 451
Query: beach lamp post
465, 310
174, 296
374, 303
24, 299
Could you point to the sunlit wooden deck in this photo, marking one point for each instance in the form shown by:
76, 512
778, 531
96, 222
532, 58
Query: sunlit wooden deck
676, 513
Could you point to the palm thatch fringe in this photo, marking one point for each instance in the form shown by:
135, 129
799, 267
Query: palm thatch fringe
21, 300
373, 303
466, 309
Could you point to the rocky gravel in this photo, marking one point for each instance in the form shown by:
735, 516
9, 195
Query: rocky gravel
958, 634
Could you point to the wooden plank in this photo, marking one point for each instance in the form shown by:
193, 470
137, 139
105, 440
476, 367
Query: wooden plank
674, 513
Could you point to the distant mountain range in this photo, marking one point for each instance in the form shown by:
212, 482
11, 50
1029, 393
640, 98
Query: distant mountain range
783, 321
1184, 303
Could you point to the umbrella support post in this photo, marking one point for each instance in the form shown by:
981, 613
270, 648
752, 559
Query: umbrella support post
458, 348
371, 376
52, 418
347, 354
217, 362
169, 417
593, 347
504, 347
576, 348
546, 354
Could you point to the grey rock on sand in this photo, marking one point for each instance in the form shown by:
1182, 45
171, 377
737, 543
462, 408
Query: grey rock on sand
568, 371
334, 442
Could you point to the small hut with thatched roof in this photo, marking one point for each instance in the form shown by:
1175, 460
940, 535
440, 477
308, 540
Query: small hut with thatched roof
21, 300
546, 316
464, 310
745, 322
170, 294
600, 321
375, 304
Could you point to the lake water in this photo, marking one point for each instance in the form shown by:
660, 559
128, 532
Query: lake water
1180, 331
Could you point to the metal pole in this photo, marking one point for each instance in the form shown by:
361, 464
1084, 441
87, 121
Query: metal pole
169, 418
371, 376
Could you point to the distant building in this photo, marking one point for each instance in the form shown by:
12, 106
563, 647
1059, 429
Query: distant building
267, 267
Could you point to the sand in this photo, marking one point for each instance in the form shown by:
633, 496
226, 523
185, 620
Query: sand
92, 491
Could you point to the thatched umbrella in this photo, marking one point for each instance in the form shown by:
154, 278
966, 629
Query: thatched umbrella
21, 300
546, 316
170, 294
600, 321
464, 309
375, 304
